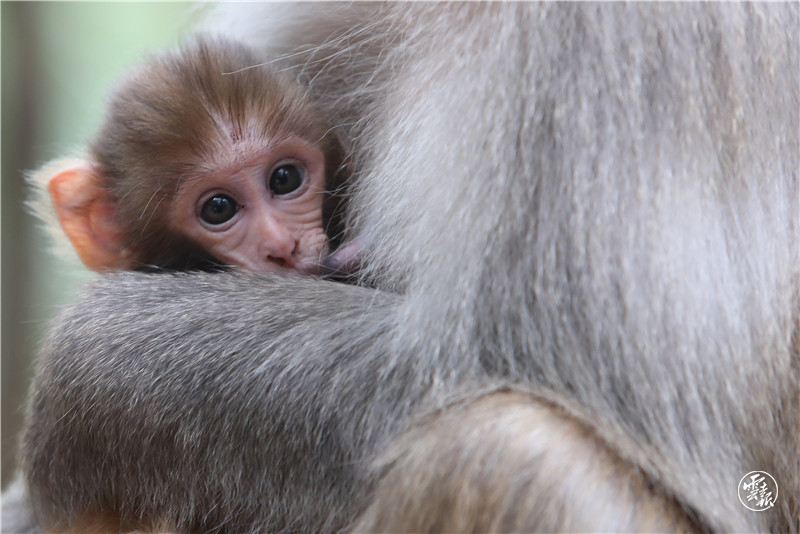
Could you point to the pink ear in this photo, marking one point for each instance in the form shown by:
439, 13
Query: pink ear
86, 213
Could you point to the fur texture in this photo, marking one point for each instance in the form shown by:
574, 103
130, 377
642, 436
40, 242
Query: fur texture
593, 204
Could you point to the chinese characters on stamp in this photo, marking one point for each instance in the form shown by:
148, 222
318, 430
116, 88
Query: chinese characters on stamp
758, 491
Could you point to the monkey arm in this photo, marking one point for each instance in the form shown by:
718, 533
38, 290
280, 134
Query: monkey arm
176, 397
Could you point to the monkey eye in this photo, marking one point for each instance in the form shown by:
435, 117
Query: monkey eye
219, 209
286, 179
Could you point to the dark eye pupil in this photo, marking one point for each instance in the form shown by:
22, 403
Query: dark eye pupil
219, 209
285, 179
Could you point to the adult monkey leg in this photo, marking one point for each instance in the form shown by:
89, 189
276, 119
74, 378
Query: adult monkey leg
598, 202
509, 461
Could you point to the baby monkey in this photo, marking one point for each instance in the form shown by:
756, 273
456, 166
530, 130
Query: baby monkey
205, 158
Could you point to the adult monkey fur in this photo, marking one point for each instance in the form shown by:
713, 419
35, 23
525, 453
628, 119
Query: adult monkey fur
581, 222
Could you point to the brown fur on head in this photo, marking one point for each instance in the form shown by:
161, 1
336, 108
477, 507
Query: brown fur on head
191, 109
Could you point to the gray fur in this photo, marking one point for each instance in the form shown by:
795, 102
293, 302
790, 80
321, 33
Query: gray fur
597, 203
16, 515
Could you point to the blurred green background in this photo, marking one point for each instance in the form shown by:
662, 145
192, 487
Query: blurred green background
58, 61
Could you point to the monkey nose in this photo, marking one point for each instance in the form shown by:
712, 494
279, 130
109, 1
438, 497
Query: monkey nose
285, 261
279, 248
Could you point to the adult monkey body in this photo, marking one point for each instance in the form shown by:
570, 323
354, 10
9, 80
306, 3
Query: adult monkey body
587, 220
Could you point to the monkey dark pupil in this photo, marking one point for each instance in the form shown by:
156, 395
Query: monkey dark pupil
218, 209
285, 179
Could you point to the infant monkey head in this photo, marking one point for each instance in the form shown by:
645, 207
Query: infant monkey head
205, 157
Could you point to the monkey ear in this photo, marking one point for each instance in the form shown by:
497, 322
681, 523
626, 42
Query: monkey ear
86, 213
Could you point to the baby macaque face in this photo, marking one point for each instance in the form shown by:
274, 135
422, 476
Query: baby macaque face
264, 215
